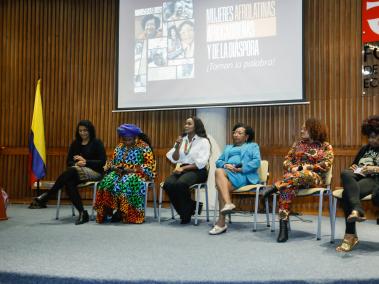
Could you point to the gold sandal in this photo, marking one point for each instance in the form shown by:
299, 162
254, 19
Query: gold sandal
355, 217
347, 244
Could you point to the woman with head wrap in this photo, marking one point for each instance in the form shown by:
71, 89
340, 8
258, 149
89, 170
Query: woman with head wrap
122, 188
85, 160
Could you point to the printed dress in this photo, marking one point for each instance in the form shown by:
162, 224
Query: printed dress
126, 191
316, 157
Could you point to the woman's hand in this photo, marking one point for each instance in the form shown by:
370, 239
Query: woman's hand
107, 166
368, 170
232, 168
81, 163
295, 169
78, 158
178, 171
353, 167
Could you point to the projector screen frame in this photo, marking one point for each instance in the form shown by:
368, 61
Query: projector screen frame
301, 101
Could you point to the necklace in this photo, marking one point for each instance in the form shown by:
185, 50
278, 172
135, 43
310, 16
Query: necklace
187, 146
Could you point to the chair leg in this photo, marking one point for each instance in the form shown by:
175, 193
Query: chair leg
58, 204
172, 211
197, 203
206, 201
273, 212
319, 219
154, 200
146, 185
331, 214
267, 213
94, 201
215, 209
256, 210
73, 210
160, 204
334, 220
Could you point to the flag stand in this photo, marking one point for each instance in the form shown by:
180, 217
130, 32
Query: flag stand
38, 188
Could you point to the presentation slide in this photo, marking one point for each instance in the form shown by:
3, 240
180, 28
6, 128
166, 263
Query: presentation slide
207, 53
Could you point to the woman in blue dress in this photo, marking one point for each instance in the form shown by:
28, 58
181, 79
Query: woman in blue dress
237, 166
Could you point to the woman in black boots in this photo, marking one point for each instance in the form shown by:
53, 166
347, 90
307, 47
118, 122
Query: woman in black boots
85, 160
305, 166
360, 180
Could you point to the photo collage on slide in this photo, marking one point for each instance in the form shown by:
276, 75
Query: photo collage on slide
164, 43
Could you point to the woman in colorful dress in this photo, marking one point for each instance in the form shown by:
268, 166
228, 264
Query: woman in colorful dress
123, 188
360, 180
305, 166
236, 167
192, 151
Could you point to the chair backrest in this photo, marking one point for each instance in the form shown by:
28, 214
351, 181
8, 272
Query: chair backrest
263, 171
328, 176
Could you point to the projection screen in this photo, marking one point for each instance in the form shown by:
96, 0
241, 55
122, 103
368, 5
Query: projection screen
209, 53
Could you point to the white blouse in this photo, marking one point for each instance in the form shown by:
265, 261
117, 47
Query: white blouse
197, 151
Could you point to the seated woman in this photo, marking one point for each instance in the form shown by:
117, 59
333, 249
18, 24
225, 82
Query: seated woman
360, 180
85, 160
305, 166
236, 167
192, 151
123, 188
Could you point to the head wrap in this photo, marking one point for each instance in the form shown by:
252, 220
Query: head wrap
128, 130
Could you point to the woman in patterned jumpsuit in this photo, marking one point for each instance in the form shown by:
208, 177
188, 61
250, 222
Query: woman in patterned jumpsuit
305, 166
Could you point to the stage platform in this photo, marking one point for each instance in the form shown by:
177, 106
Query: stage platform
36, 248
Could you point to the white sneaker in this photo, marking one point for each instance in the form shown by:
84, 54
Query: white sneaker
216, 230
228, 208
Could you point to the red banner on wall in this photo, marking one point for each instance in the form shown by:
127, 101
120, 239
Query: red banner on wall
370, 21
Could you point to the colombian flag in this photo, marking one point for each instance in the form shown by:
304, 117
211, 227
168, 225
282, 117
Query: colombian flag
37, 150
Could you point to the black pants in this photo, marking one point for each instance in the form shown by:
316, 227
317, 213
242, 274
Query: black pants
70, 179
356, 187
177, 188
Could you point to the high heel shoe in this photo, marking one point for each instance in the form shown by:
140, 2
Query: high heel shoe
355, 216
83, 218
348, 243
39, 202
283, 231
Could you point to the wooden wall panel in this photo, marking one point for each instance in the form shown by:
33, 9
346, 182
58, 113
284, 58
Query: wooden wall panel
70, 45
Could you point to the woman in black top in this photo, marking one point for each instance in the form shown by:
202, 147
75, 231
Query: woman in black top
85, 160
360, 180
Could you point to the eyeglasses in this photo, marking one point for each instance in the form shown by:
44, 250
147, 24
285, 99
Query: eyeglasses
239, 132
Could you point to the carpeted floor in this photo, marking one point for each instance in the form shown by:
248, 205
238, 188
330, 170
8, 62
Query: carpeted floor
36, 248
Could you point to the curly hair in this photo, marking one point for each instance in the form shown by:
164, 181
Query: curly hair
317, 129
370, 125
248, 130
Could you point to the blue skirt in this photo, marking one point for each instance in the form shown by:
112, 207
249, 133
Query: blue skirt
237, 179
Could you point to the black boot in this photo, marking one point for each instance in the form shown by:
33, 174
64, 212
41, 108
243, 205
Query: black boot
283, 231
83, 218
39, 202
116, 217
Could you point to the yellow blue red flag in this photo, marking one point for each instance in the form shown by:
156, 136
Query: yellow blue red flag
37, 149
